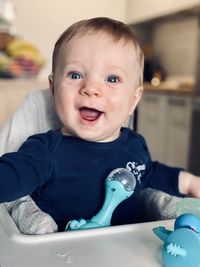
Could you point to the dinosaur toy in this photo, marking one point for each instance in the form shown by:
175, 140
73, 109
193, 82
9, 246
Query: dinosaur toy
119, 185
181, 246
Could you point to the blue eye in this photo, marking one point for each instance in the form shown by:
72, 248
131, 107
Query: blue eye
113, 79
75, 75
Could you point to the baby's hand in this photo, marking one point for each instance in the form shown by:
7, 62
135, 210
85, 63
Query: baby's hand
194, 187
189, 184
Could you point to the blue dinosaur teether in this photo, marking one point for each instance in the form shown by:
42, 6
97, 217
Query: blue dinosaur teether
181, 246
119, 185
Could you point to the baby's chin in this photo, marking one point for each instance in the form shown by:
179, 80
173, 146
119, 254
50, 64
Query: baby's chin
100, 138
92, 135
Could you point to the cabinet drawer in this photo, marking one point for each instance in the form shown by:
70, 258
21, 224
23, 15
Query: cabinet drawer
164, 120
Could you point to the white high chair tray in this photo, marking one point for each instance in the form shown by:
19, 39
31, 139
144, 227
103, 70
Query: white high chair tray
118, 246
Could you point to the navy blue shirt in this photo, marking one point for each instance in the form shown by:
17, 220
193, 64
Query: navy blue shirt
65, 175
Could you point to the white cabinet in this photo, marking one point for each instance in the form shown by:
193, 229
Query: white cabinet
164, 120
178, 130
138, 11
151, 123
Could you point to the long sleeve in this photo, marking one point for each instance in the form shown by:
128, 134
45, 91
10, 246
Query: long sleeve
160, 176
23, 171
163, 177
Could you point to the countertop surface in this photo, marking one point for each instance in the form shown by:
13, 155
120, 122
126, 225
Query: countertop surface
168, 87
23, 84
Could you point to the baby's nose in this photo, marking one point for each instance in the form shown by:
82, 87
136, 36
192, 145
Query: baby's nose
90, 88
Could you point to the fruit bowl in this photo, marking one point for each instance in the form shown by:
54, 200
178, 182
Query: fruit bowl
20, 59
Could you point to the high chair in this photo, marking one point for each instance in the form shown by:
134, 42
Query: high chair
127, 245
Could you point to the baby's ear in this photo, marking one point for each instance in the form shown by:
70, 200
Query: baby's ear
136, 98
138, 93
51, 83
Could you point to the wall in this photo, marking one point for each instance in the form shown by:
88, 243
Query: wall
175, 43
143, 10
41, 22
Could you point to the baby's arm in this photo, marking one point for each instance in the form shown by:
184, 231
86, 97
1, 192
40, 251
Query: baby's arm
189, 184
29, 218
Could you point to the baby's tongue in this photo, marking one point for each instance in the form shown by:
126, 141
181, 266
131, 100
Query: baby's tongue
89, 114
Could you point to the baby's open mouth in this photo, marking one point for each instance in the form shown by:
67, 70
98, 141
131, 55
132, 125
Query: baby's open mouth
90, 114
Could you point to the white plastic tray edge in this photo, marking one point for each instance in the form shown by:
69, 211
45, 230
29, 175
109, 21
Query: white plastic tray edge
13, 233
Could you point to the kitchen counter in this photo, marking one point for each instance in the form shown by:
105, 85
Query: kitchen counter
169, 87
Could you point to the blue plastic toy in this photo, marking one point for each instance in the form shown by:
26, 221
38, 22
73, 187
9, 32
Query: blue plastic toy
119, 185
182, 246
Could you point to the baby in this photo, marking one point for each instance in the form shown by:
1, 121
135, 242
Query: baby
96, 82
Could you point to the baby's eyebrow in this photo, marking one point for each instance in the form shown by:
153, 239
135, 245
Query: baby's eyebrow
116, 67
72, 62
72, 66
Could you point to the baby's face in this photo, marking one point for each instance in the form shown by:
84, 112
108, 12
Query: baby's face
94, 86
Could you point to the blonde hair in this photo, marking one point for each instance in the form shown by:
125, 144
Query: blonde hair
116, 29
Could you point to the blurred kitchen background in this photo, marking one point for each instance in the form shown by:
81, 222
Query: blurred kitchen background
169, 31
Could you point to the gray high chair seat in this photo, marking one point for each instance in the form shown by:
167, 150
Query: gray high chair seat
37, 114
